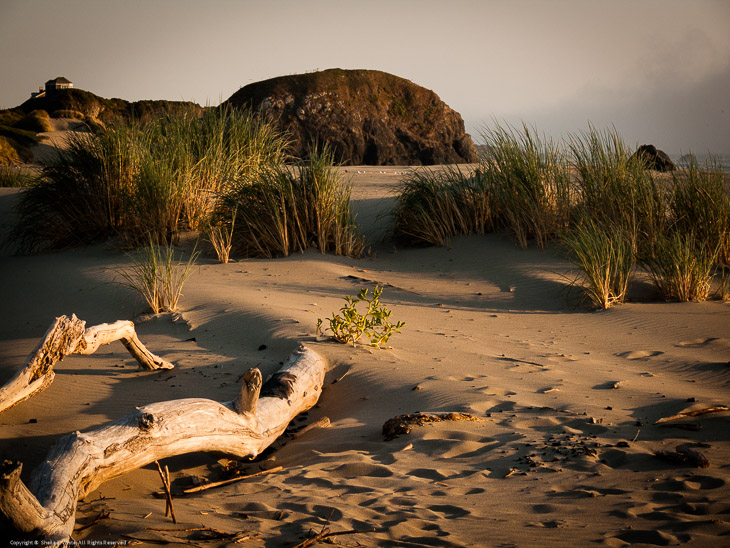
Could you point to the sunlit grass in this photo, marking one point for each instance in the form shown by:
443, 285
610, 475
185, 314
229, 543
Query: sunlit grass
435, 205
529, 181
288, 210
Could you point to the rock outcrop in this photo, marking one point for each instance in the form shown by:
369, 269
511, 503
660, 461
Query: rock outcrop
365, 116
654, 158
95, 107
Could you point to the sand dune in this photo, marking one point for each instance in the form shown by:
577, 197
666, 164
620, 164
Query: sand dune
565, 453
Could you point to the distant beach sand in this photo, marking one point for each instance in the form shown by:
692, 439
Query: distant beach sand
569, 398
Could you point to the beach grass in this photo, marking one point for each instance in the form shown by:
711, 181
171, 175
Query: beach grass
290, 209
610, 210
615, 188
141, 181
16, 177
220, 236
604, 254
158, 276
681, 267
529, 182
700, 205
434, 206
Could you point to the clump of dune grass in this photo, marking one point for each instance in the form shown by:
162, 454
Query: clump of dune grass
140, 181
616, 188
220, 235
435, 205
605, 256
15, 176
529, 181
681, 267
287, 210
37, 121
700, 205
158, 276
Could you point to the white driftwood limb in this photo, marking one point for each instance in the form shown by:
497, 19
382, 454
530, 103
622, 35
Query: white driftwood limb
80, 462
67, 336
123, 331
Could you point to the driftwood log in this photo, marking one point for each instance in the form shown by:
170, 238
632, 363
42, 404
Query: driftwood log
69, 336
80, 462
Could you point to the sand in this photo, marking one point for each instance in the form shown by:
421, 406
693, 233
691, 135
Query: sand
564, 453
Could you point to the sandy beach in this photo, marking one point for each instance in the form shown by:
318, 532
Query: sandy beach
567, 399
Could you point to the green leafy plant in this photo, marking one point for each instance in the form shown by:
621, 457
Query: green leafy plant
350, 325
158, 276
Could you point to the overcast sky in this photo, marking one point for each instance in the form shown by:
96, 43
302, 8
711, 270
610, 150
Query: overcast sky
658, 70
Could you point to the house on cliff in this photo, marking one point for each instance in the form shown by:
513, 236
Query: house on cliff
51, 86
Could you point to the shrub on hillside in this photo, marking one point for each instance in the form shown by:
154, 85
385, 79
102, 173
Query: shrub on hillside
66, 113
37, 121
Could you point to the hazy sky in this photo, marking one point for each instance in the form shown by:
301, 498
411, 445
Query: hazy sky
658, 70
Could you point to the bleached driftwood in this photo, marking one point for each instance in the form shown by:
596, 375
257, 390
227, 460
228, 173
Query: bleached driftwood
80, 462
68, 336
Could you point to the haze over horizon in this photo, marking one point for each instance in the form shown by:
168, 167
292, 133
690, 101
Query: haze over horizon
657, 70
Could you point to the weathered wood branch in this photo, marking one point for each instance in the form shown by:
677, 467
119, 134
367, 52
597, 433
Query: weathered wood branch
67, 336
80, 462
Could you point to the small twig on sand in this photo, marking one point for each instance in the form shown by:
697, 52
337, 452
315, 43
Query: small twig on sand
169, 510
325, 534
636, 437
695, 413
231, 480
102, 515
324, 422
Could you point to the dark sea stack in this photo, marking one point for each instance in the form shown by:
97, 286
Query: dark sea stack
366, 117
654, 159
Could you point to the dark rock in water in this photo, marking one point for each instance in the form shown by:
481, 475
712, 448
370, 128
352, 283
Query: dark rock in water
654, 158
364, 116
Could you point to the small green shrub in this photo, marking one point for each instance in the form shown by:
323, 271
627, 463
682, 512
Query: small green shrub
158, 276
604, 254
435, 205
350, 325
681, 267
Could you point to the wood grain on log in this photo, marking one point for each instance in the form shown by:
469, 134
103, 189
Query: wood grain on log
67, 336
80, 462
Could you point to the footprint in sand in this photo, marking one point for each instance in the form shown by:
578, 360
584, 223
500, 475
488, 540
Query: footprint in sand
640, 354
449, 511
648, 536
360, 469
699, 343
